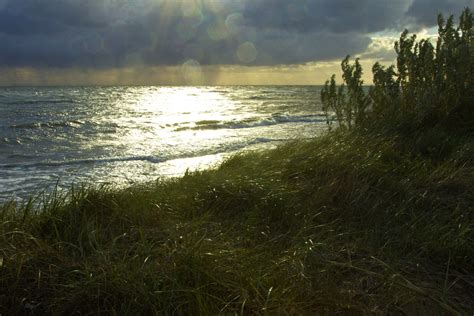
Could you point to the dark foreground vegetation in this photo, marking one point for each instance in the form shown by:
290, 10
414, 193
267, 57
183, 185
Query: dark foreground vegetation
375, 217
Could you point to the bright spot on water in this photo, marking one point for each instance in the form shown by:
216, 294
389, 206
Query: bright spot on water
189, 105
172, 107
247, 52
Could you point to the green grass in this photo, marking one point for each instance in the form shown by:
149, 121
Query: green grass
347, 223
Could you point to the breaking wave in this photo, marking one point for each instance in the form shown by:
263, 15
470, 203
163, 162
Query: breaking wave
253, 122
72, 123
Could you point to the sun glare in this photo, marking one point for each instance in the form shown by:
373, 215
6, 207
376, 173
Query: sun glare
172, 117
178, 104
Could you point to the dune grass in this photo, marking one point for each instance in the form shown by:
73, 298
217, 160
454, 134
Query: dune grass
350, 222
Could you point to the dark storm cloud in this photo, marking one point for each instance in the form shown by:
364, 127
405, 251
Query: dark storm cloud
23, 25
326, 15
86, 13
425, 12
115, 33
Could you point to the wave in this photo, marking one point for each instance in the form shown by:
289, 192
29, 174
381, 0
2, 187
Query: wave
152, 159
30, 102
253, 122
71, 123
261, 140
10, 141
22, 156
258, 97
149, 158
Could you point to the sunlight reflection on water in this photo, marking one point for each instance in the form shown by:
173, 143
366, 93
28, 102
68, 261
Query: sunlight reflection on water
126, 135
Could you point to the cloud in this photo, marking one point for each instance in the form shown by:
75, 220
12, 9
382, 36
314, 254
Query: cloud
83, 13
104, 34
326, 15
380, 49
424, 12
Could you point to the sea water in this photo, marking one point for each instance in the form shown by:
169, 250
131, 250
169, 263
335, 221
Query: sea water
64, 136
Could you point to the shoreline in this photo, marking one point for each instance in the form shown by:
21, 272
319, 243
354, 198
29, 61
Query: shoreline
171, 168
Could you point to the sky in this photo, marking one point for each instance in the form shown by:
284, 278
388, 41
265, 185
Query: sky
141, 42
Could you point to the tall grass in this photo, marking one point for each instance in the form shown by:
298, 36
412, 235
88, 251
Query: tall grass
347, 223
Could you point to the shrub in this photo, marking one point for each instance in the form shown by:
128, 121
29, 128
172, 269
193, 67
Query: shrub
430, 85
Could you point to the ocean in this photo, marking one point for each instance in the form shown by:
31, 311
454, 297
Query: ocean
63, 136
